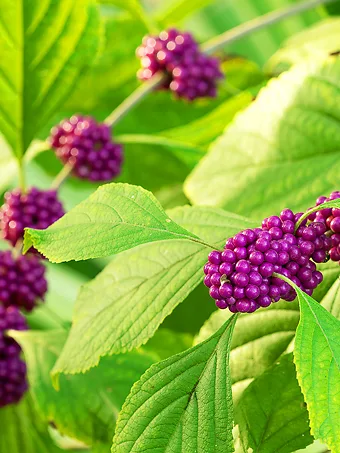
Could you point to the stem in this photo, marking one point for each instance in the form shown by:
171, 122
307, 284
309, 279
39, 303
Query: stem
62, 176
258, 23
135, 98
21, 175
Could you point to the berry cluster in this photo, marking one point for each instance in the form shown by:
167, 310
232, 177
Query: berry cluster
34, 209
87, 145
241, 277
13, 382
190, 73
22, 280
331, 218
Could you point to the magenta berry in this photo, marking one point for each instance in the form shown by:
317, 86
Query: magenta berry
190, 74
13, 382
35, 209
22, 280
87, 145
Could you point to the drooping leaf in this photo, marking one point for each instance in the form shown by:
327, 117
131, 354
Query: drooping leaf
283, 150
258, 340
271, 413
115, 218
125, 304
178, 10
323, 38
317, 359
45, 47
23, 431
86, 406
331, 301
183, 403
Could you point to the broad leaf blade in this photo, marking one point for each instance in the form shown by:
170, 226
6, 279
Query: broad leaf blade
271, 413
115, 218
183, 403
45, 47
287, 139
76, 410
125, 304
317, 358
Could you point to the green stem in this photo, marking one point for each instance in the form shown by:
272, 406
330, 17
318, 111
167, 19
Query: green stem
214, 44
62, 176
260, 22
134, 99
21, 175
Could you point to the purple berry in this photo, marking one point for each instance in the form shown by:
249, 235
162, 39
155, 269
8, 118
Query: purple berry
214, 257
87, 145
287, 214
23, 279
262, 244
35, 209
271, 256
255, 278
228, 256
222, 304
252, 291
335, 225
13, 382
243, 305
226, 269
243, 266
226, 290
241, 279
266, 269
190, 73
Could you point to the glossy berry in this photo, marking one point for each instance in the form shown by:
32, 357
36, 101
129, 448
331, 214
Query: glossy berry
87, 145
190, 74
13, 383
35, 209
22, 280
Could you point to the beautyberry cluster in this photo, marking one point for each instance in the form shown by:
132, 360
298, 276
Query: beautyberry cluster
190, 73
13, 382
35, 209
241, 277
22, 280
330, 217
87, 145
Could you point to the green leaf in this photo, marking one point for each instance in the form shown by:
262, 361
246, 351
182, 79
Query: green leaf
271, 413
45, 47
331, 301
258, 340
22, 430
76, 409
115, 218
283, 150
322, 38
183, 403
126, 303
317, 359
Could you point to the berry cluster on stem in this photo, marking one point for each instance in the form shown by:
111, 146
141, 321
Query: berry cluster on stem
241, 277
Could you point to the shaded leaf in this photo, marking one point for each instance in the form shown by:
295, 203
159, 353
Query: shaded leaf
271, 413
76, 409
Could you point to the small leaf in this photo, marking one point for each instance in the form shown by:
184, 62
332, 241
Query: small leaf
76, 410
182, 404
126, 303
115, 218
44, 47
283, 150
317, 358
271, 413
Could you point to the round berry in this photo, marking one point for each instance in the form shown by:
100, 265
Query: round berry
87, 145
228, 256
243, 266
23, 279
35, 209
214, 257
